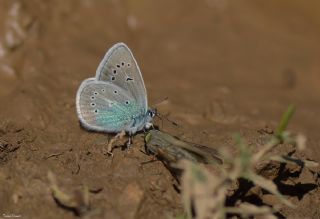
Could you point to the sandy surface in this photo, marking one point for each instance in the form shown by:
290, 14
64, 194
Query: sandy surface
226, 66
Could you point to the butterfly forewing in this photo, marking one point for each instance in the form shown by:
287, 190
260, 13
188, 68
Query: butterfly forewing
120, 68
103, 106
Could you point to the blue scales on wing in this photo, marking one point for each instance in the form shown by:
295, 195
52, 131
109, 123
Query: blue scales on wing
104, 106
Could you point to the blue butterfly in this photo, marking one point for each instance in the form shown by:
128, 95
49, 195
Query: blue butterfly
116, 99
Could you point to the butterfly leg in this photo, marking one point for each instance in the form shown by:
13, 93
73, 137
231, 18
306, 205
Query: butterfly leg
129, 142
118, 136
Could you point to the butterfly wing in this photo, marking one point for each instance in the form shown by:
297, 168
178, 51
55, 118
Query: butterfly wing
120, 68
103, 106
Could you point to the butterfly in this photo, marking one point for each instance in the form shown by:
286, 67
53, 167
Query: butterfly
115, 100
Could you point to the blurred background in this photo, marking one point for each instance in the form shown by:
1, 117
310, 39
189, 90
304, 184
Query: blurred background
256, 54
226, 66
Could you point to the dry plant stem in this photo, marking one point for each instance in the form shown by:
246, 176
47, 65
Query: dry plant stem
203, 191
294, 160
119, 136
246, 210
265, 149
78, 201
57, 193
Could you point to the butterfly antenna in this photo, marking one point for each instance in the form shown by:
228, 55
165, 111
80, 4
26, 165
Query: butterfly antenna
166, 117
163, 116
160, 102
157, 115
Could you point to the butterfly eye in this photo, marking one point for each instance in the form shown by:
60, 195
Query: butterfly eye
95, 93
118, 66
127, 102
92, 104
128, 64
114, 71
95, 111
103, 90
92, 97
113, 78
122, 63
115, 91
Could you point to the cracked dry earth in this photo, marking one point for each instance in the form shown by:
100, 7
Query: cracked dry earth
226, 66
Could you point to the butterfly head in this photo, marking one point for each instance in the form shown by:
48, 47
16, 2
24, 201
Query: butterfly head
152, 112
149, 116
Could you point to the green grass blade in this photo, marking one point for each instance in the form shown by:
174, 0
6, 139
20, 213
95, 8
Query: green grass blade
285, 120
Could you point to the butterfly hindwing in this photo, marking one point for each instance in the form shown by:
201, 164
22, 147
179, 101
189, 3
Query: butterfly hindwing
120, 68
103, 106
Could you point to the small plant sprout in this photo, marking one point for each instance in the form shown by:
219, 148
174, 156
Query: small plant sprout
205, 194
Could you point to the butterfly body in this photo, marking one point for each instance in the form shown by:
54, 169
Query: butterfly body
116, 99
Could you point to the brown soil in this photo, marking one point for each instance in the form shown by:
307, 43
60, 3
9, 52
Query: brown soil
226, 66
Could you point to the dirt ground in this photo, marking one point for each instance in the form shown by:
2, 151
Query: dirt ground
226, 66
